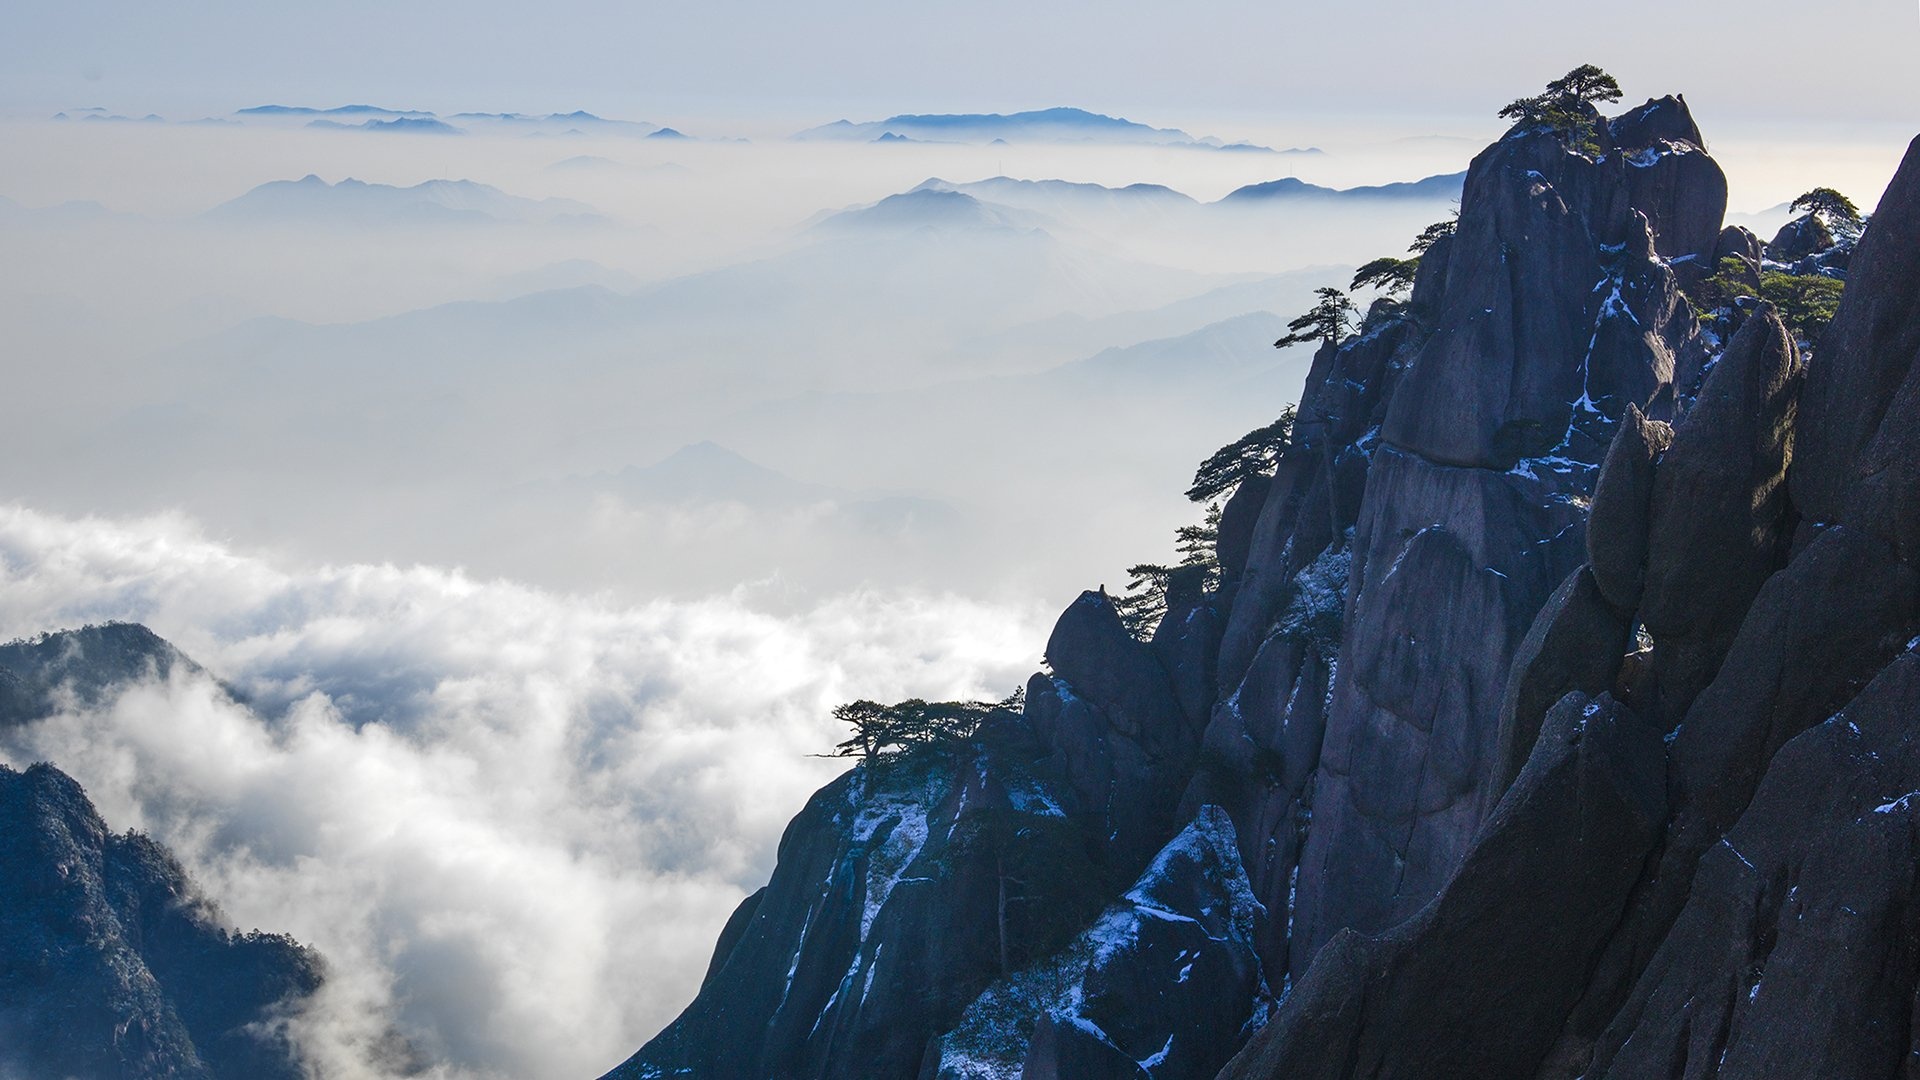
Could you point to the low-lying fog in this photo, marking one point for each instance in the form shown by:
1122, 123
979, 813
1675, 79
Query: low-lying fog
544, 514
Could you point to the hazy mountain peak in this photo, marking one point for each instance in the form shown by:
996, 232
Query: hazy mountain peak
1444, 186
1057, 124
355, 201
86, 663
340, 110
925, 207
1063, 197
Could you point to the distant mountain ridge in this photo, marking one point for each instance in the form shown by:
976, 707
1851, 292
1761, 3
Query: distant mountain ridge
1045, 195
350, 201
415, 125
925, 207
1445, 186
1060, 124
421, 121
1051, 194
338, 110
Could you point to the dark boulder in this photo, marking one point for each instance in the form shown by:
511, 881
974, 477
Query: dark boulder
1575, 645
1559, 312
1258, 759
1672, 181
1814, 635
1720, 519
1237, 518
1801, 238
1738, 242
1812, 638
881, 923
1187, 644
1091, 649
1661, 119
1622, 509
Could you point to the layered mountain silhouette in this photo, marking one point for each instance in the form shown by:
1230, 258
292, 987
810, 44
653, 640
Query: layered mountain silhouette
1552, 714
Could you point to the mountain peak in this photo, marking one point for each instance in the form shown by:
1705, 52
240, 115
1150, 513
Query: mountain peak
1056, 124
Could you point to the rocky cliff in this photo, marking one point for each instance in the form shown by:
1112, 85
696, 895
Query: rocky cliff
1551, 716
112, 967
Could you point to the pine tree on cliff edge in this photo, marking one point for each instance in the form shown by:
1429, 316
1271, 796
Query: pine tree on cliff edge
1330, 319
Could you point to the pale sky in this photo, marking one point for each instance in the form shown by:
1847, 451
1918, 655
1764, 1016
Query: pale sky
1192, 64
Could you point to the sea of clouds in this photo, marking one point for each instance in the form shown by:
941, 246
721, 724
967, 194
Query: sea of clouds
513, 821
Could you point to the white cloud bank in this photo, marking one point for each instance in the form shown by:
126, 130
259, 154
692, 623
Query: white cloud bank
512, 820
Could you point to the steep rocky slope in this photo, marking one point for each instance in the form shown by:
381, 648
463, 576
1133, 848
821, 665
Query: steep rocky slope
1550, 718
112, 966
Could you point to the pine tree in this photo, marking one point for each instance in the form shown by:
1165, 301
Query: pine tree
1250, 455
1567, 107
1330, 319
886, 732
1390, 276
1837, 211
1432, 235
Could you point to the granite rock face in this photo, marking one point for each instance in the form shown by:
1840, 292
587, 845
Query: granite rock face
1552, 717
1161, 984
112, 966
1560, 314
1798, 951
1475, 983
